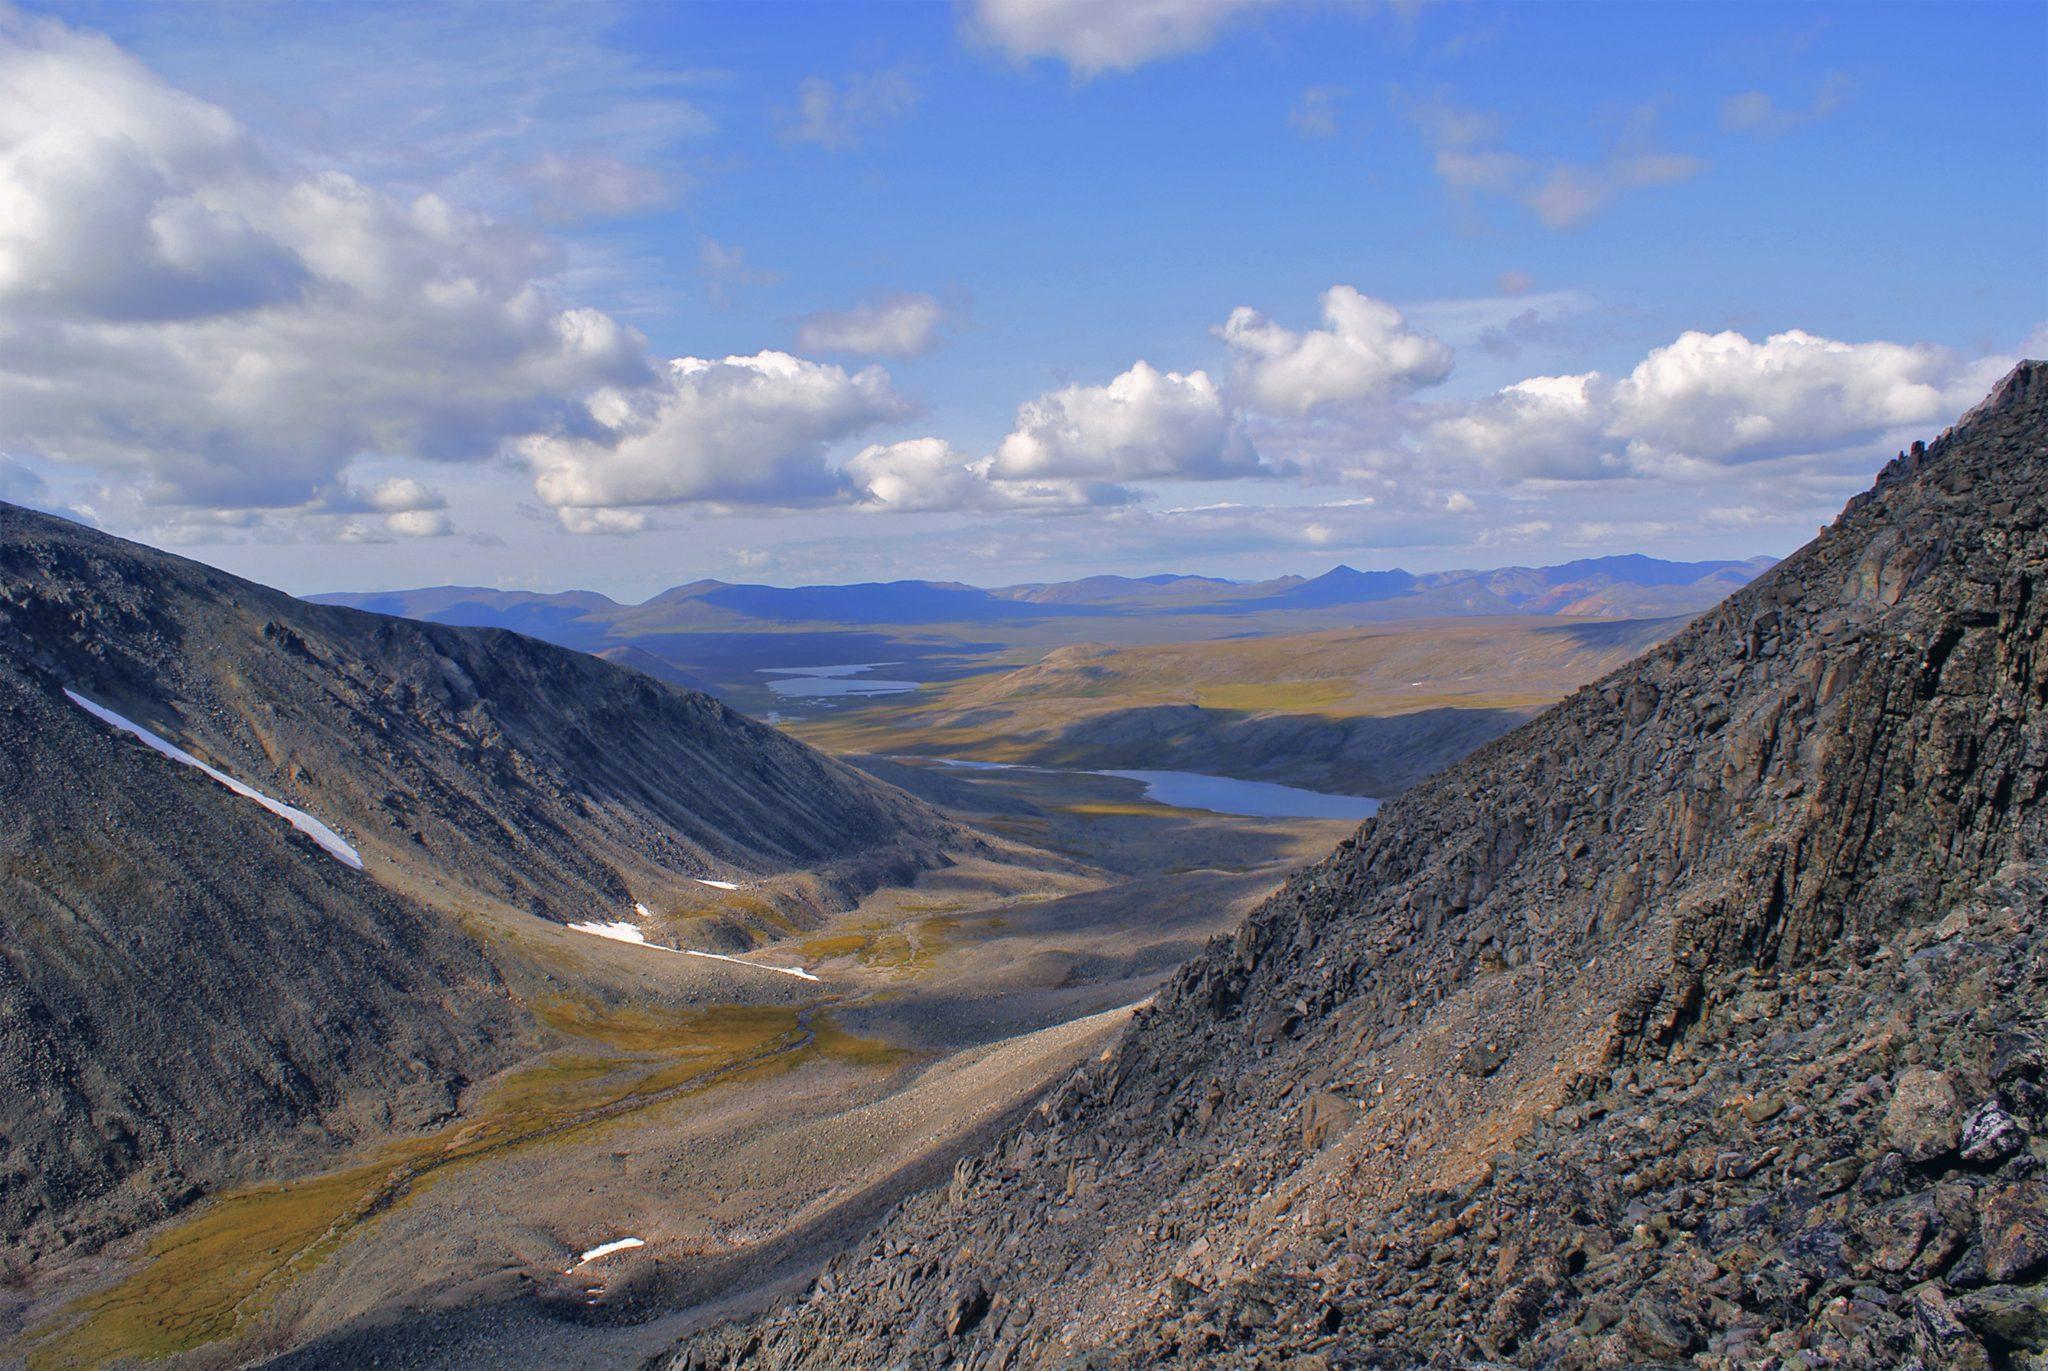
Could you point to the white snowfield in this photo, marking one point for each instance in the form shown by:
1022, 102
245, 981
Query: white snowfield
605, 1249
795, 971
331, 842
722, 885
620, 931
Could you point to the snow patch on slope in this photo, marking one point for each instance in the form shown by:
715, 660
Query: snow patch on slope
797, 972
621, 931
605, 1249
331, 842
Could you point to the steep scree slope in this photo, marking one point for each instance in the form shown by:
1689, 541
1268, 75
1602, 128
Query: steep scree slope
536, 775
1700, 1021
191, 992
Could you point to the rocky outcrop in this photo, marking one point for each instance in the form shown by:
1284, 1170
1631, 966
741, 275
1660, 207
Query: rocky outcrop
191, 992
1703, 1020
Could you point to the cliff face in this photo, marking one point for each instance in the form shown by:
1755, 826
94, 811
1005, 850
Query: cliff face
192, 992
1702, 1016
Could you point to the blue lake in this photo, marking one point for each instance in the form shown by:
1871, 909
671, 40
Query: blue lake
825, 682
1217, 794
1255, 799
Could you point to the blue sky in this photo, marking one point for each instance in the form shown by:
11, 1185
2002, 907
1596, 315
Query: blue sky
355, 296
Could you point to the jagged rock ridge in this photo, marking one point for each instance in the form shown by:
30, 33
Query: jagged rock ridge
1700, 1021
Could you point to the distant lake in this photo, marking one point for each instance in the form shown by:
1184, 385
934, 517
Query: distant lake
823, 682
1254, 799
1217, 794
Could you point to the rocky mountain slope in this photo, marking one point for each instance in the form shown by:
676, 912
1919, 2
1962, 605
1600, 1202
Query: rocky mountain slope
1701, 1021
192, 990
648, 664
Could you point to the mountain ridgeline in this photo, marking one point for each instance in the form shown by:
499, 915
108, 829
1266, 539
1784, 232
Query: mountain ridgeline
1633, 586
1706, 1015
192, 991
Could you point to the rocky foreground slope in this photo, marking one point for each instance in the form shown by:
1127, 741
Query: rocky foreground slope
192, 991
1698, 1022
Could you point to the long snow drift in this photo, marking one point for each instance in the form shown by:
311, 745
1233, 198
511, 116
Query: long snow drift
331, 842
618, 930
605, 1249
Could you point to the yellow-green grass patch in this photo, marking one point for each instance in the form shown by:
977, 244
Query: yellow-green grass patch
1132, 809
213, 1275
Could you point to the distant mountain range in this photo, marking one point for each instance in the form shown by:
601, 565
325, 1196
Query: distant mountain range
1630, 586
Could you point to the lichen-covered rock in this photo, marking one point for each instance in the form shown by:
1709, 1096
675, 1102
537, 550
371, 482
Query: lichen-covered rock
2015, 1228
1922, 1122
1991, 1135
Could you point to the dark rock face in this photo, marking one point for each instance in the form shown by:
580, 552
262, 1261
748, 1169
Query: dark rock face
192, 993
1703, 1020
536, 775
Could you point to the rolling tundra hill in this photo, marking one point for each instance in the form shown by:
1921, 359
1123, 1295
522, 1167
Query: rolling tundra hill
1367, 711
200, 983
1705, 1016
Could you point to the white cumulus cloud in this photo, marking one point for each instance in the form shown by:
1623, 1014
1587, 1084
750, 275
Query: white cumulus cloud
739, 430
1721, 398
419, 523
179, 307
604, 522
1546, 426
1367, 354
1144, 425
405, 495
927, 474
916, 475
1712, 401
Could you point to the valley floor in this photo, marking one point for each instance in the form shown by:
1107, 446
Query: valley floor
742, 1126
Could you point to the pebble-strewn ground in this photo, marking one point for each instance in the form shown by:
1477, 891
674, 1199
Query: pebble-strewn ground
1700, 1022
